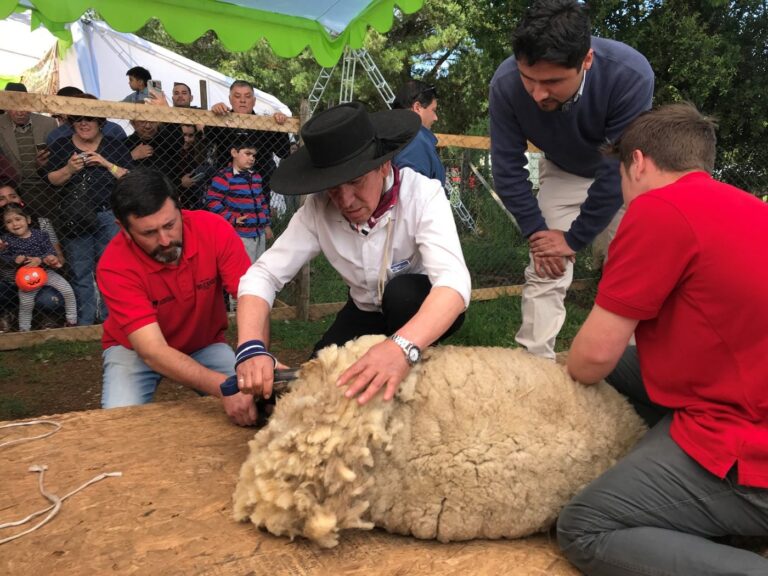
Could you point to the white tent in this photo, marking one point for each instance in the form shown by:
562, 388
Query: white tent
99, 58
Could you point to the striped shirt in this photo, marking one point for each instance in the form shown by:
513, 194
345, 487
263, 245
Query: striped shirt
234, 195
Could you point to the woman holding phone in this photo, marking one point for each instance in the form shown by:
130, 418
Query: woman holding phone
84, 169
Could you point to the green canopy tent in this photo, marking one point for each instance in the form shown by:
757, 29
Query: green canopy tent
324, 26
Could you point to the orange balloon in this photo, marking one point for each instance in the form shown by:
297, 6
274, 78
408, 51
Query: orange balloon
31, 278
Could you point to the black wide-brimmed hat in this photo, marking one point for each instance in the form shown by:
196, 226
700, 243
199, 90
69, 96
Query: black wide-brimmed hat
341, 144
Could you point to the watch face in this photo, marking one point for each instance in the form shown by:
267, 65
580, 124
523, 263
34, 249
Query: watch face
413, 355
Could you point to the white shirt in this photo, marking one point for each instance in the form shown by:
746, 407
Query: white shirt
424, 240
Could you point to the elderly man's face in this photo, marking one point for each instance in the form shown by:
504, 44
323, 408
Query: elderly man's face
146, 129
358, 198
18, 117
242, 100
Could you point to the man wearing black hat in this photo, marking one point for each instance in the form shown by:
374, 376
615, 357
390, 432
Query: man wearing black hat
388, 232
22, 139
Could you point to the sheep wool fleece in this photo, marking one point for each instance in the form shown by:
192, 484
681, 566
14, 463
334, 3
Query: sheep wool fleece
478, 443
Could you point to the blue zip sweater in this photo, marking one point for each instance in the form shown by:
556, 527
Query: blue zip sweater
618, 87
421, 155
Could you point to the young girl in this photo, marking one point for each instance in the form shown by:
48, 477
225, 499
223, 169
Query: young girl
25, 246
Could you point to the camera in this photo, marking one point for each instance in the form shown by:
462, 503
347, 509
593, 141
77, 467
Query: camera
155, 85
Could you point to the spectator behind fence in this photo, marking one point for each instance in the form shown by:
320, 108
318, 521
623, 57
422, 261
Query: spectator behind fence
22, 139
421, 153
269, 144
566, 92
48, 302
388, 232
84, 169
26, 246
156, 145
64, 129
236, 195
137, 80
181, 95
163, 278
687, 275
194, 169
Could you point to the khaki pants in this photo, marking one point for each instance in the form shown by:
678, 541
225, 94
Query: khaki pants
561, 195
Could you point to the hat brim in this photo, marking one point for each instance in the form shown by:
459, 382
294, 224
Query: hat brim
297, 175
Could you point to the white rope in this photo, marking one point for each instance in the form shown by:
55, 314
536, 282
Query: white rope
53, 423
56, 502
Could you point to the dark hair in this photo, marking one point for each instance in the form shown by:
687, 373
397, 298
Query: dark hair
141, 192
183, 84
414, 91
71, 118
557, 31
140, 73
69, 91
677, 137
240, 84
15, 208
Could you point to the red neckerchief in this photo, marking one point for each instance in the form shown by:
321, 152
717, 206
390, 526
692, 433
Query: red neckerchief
387, 201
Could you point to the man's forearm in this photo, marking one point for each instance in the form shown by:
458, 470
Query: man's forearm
183, 369
252, 319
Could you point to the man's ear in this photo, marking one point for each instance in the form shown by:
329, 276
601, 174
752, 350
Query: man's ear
233, 152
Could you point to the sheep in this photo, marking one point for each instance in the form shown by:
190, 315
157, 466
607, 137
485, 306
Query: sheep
477, 443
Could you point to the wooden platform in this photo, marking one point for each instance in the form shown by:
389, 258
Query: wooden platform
170, 512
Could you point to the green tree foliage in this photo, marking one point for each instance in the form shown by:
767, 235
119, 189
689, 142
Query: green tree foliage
711, 52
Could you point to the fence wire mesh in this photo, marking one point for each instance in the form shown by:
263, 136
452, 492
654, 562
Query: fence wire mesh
63, 160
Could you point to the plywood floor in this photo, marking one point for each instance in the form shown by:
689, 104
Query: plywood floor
170, 512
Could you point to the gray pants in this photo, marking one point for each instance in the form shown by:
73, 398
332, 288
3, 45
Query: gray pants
657, 510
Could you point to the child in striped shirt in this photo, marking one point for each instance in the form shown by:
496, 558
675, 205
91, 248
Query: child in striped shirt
236, 194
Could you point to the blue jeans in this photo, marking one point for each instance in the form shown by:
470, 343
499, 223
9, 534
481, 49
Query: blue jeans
128, 381
656, 512
83, 253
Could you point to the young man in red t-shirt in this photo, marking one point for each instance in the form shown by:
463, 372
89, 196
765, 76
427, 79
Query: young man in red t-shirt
163, 278
687, 274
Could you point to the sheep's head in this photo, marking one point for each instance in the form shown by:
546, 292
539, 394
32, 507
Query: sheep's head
310, 467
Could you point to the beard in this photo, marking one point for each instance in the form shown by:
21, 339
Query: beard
167, 254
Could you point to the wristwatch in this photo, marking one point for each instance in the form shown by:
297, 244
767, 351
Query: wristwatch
411, 351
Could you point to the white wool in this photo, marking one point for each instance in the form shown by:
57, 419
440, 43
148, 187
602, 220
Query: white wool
478, 443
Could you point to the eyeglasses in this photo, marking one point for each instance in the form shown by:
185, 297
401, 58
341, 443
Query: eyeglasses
74, 119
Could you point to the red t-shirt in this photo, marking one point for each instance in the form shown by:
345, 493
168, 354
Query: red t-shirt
186, 300
690, 262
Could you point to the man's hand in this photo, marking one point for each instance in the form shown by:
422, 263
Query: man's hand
279, 117
268, 234
256, 375
187, 181
550, 243
384, 365
142, 151
41, 158
549, 266
220, 109
241, 409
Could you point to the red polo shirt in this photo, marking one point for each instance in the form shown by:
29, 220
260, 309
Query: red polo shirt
689, 261
185, 299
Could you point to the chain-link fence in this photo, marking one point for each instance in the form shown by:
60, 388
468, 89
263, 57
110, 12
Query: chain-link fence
60, 163
63, 160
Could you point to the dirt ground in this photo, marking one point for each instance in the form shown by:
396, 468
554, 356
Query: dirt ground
35, 383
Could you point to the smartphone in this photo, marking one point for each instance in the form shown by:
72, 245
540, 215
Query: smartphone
155, 85
41, 146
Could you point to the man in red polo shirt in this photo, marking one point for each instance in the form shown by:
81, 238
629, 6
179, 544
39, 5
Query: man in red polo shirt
687, 274
163, 279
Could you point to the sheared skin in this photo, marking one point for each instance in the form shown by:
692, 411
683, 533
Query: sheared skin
478, 443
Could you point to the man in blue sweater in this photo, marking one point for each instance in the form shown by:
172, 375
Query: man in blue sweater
567, 93
421, 154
